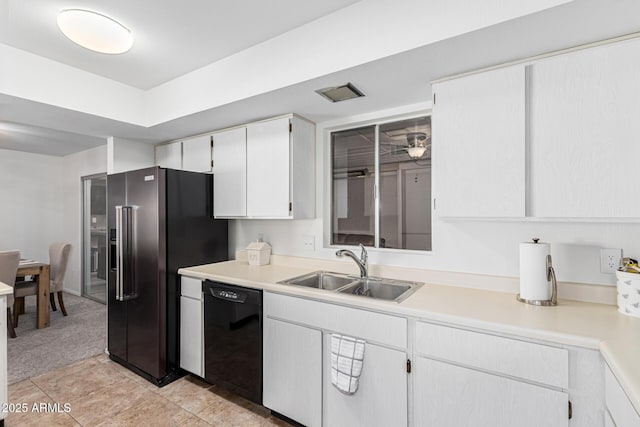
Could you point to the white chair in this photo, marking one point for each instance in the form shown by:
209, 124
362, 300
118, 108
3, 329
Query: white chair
9, 261
58, 259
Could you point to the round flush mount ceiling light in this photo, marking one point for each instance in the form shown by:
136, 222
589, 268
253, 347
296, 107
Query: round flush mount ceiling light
95, 31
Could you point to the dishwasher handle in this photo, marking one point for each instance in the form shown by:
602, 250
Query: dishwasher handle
228, 295
231, 293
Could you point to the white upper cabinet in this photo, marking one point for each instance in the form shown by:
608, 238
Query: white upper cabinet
230, 173
281, 168
584, 133
196, 154
169, 155
267, 172
479, 137
268, 177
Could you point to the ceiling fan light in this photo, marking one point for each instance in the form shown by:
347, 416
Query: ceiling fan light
416, 152
95, 31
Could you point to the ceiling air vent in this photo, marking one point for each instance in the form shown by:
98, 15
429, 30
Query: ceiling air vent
340, 93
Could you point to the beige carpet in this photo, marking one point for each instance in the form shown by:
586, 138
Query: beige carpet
78, 336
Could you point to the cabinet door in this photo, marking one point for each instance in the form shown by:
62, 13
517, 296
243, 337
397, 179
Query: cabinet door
622, 412
479, 144
230, 173
381, 399
292, 371
268, 184
584, 131
169, 155
191, 336
196, 154
449, 395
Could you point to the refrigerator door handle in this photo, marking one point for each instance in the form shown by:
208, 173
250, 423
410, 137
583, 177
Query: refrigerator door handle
126, 254
129, 289
119, 273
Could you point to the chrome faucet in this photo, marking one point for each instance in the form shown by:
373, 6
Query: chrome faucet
362, 261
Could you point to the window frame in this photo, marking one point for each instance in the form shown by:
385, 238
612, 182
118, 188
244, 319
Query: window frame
375, 121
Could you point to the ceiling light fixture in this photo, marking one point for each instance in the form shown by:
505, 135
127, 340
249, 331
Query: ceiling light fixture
417, 144
95, 31
340, 93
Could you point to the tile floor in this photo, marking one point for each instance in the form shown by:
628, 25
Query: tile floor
103, 393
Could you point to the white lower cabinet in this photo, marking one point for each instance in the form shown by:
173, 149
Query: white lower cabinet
381, 399
297, 361
450, 395
191, 326
459, 376
475, 378
292, 373
619, 407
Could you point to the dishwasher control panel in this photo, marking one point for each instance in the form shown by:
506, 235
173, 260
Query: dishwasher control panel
228, 295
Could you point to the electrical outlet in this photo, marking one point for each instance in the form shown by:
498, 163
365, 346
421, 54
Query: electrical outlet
610, 260
308, 242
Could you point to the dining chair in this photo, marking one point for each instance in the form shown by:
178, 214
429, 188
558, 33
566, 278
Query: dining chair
9, 261
58, 259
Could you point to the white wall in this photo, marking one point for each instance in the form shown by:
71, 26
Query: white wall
338, 41
483, 247
30, 209
29, 76
77, 165
124, 155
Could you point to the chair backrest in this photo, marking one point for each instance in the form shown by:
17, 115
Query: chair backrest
58, 258
9, 261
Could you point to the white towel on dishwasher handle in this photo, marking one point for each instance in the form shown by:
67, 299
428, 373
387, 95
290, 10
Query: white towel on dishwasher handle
347, 356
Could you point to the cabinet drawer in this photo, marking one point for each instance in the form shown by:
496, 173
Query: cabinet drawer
618, 404
190, 287
534, 362
376, 327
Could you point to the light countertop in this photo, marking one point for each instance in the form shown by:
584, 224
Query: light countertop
5, 289
582, 324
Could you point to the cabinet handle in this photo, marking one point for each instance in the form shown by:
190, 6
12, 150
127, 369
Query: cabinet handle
408, 366
570, 410
211, 150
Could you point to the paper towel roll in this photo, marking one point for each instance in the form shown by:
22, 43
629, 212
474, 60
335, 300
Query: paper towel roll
533, 271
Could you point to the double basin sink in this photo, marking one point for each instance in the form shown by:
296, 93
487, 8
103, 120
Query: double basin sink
372, 287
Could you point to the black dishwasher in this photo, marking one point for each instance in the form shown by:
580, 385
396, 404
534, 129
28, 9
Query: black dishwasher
233, 339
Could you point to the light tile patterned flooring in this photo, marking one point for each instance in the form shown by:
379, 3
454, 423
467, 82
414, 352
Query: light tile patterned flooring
102, 393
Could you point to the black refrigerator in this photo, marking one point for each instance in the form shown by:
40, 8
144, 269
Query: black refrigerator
159, 220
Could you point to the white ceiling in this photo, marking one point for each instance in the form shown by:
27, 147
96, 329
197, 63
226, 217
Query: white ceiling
397, 80
172, 38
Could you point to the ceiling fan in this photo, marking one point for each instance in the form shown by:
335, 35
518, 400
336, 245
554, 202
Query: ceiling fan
414, 144
417, 144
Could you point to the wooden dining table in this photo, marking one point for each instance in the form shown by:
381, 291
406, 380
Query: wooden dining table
40, 271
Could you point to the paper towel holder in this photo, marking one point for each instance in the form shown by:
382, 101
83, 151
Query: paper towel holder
551, 276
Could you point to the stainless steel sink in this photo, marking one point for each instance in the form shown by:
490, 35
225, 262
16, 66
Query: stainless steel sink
321, 280
372, 287
391, 290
